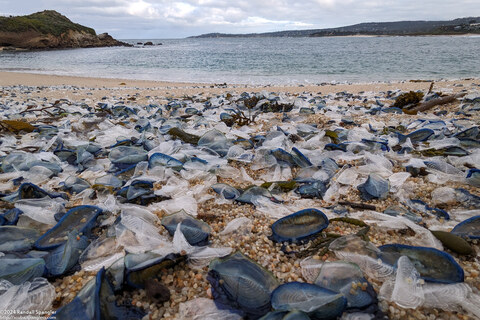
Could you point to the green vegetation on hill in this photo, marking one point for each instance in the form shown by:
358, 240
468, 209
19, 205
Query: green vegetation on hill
45, 22
397, 28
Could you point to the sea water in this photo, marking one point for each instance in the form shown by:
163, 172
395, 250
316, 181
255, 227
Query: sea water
264, 60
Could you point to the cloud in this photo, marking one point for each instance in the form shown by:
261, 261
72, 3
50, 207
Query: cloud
142, 9
163, 18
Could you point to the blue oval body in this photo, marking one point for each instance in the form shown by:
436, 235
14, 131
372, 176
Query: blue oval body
18, 239
225, 190
317, 302
196, 232
17, 271
469, 228
418, 135
299, 226
64, 257
274, 315
300, 159
296, 315
10, 217
241, 285
315, 189
433, 265
283, 157
160, 159
374, 188
473, 177
123, 157
340, 276
136, 276
81, 218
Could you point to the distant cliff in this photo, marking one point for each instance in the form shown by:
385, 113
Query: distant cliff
399, 28
50, 30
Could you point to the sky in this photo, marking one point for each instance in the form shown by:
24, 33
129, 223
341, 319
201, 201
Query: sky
161, 19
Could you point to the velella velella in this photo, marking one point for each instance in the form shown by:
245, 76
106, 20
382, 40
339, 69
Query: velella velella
108, 182
316, 301
283, 157
314, 189
432, 264
216, 141
473, 177
274, 315
75, 185
239, 283
417, 136
139, 192
300, 159
62, 258
31, 191
252, 195
348, 279
13, 238
94, 302
195, 231
276, 163
81, 218
140, 268
469, 228
226, 191
294, 159
374, 188
160, 159
10, 217
296, 315
467, 198
471, 133
19, 297
18, 270
400, 211
421, 206
123, 157
299, 226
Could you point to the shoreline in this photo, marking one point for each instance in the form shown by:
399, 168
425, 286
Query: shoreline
92, 87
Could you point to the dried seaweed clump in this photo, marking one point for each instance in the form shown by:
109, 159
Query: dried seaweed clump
408, 98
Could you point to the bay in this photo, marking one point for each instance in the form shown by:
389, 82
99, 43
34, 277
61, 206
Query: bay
264, 60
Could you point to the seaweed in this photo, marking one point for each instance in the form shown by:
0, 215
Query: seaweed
454, 242
408, 98
352, 221
177, 133
332, 135
284, 186
250, 103
16, 126
276, 107
239, 118
361, 206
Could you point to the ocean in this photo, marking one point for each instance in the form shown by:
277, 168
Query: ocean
263, 61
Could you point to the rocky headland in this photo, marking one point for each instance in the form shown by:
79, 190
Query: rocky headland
50, 30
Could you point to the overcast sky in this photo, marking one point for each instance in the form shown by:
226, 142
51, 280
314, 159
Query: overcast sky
137, 19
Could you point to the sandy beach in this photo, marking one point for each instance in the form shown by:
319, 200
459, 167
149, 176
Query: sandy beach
347, 131
78, 88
